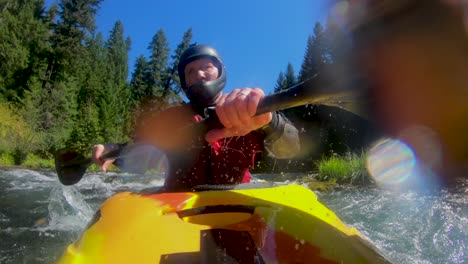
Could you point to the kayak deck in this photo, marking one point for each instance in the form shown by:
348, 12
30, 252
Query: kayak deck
285, 224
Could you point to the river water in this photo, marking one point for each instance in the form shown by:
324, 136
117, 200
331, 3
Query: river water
39, 217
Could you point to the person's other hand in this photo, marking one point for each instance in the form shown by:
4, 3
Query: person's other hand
98, 151
236, 111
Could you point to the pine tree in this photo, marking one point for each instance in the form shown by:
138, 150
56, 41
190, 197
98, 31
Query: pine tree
287, 80
86, 126
316, 55
23, 41
94, 73
173, 82
158, 69
290, 77
139, 83
74, 26
114, 100
86, 130
28, 28
76, 23
117, 51
280, 83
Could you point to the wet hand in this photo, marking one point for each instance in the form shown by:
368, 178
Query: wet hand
98, 152
236, 111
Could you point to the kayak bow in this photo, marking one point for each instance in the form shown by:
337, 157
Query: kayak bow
285, 224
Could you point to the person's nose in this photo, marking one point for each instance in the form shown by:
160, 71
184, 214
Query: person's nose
201, 75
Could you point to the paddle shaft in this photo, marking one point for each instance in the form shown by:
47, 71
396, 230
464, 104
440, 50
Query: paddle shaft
317, 90
312, 91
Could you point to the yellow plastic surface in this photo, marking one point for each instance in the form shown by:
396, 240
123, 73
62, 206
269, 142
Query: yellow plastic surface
288, 225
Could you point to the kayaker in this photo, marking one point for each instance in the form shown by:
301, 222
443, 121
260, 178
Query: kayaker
225, 155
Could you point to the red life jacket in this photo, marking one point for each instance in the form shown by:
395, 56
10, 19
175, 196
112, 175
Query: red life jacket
226, 161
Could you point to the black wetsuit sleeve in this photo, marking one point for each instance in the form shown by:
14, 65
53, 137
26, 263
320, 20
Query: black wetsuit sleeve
282, 137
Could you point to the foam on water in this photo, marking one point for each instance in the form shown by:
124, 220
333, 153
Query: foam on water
30, 175
27, 179
4, 218
39, 217
411, 227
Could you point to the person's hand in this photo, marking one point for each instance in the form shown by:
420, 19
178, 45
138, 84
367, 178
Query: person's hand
236, 111
98, 151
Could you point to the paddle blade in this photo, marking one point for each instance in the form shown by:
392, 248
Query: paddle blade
70, 166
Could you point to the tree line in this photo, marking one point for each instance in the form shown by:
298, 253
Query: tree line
62, 84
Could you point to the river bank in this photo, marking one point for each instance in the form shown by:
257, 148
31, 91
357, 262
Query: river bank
331, 172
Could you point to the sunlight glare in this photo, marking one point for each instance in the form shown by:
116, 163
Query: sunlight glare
391, 162
145, 158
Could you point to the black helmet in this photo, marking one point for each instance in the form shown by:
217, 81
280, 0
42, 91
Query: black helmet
202, 94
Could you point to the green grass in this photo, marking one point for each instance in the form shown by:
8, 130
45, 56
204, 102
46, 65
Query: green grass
6, 159
35, 162
32, 161
314, 185
347, 169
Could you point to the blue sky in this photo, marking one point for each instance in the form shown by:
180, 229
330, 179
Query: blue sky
255, 38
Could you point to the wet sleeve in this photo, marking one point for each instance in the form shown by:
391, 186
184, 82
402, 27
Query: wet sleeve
281, 137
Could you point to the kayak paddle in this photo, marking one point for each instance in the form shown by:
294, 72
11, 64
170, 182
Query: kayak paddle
317, 91
71, 165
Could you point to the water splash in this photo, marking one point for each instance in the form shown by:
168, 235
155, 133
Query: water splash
411, 227
68, 208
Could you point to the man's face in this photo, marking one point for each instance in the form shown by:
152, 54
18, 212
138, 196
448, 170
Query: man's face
201, 70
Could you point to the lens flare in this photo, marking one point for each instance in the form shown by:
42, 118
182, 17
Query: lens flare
145, 158
391, 162
340, 11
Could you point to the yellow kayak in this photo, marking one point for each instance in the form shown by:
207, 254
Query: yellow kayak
282, 224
